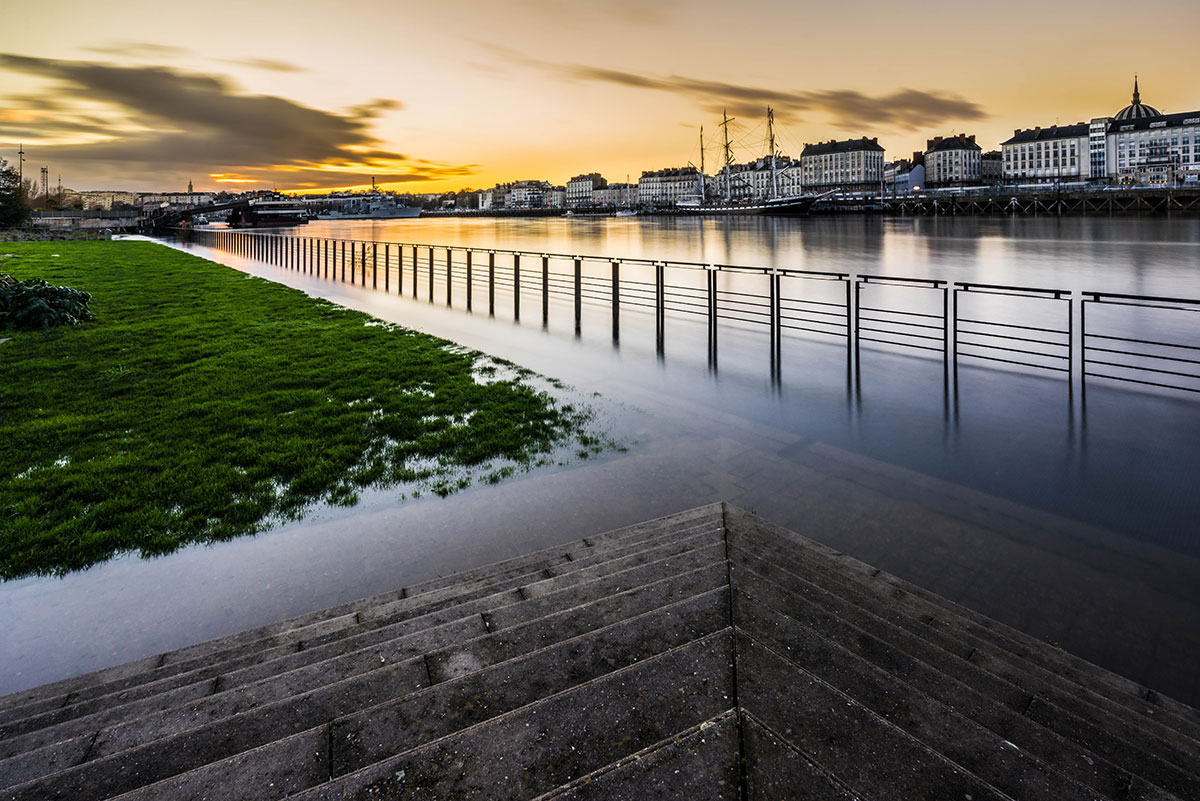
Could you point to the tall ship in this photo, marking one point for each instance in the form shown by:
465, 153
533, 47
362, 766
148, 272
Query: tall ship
775, 202
268, 214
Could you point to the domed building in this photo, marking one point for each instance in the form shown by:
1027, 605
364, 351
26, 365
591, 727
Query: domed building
1137, 146
1137, 109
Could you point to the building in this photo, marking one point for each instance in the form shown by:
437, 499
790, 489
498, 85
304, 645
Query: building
185, 199
106, 200
666, 187
615, 195
581, 189
991, 167
753, 180
1145, 147
1137, 146
1047, 155
952, 161
852, 165
555, 197
904, 176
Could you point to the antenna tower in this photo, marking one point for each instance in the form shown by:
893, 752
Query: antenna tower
45, 181
21, 166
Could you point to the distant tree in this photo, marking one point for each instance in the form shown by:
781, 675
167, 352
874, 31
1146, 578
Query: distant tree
14, 206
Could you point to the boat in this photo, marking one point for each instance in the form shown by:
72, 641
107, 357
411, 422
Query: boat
774, 204
625, 213
268, 214
199, 219
371, 207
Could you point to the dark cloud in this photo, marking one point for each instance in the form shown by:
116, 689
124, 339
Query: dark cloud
268, 64
907, 109
197, 124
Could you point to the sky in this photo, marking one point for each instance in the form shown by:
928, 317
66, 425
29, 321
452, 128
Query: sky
453, 94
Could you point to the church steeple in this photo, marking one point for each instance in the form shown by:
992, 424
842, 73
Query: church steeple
1137, 96
190, 183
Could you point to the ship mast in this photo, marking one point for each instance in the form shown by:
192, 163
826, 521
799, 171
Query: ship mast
702, 193
728, 157
771, 135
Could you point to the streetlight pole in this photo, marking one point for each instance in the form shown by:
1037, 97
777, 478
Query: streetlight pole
21, 166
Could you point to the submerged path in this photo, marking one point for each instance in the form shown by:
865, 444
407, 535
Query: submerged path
705, 655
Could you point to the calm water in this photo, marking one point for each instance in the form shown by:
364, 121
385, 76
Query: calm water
1006, 494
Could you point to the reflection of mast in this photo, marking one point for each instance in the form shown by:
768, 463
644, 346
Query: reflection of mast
728, 156
771, 135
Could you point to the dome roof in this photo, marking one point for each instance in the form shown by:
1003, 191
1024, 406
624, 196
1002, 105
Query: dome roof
1137, 109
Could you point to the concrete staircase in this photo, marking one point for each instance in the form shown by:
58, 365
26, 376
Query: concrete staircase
706, 655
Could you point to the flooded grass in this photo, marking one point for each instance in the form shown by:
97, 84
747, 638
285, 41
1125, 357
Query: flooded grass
203, 404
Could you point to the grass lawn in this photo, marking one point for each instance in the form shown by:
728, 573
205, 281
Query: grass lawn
203, 404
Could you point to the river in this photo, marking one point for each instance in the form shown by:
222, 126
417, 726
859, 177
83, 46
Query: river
1007, 494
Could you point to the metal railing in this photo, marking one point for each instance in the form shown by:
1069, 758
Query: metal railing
1024, 328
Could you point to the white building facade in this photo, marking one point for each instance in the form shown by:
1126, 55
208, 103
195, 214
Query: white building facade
851, 165
667, 187
953, 161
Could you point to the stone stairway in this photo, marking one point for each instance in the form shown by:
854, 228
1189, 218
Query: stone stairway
706, 655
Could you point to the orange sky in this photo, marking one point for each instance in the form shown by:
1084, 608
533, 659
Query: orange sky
439, 96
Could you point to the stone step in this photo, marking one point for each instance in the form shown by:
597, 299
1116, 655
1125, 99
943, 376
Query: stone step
365, 628
560, 738
1002, 760
711, 516
931, 620
287, 765
776, 769
55, 694
172, 741
1095, 679
870, 756
1096, 760
700, 763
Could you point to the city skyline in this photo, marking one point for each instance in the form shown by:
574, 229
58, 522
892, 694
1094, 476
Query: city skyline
432, 99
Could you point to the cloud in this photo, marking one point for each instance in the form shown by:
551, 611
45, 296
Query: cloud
268, 64
138, 50
192, 123
904, 109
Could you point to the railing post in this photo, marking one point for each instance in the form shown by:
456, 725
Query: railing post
491, 283
363, 259
374, 265
516, 286
545, 290
416, 270
342, 261
470, 278
449, 276
1083, 302
712, 317
660, 306
616, 300
387, 266
353, 265
431, 273
326, 248
776, 350
578, 294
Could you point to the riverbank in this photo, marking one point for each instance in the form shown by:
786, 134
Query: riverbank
202, 405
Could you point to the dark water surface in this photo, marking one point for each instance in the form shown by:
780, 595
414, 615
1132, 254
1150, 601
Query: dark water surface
1078, 525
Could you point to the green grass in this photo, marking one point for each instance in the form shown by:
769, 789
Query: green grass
203, 404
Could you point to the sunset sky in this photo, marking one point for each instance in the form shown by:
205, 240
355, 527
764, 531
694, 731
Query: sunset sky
433, 96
